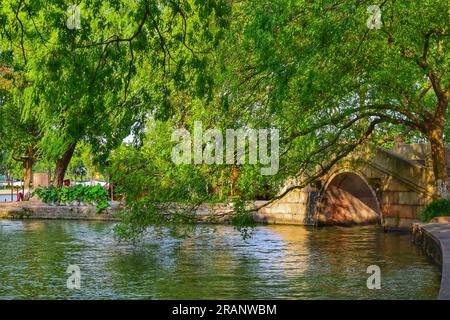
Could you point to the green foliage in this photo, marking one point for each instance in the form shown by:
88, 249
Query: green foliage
83, 163
18, 135
152, 187
10, 167
437, 208
134, 222
314, 70
50, 194
97, 84
78, 169
243, 219
153, 184
311, 69
67, 195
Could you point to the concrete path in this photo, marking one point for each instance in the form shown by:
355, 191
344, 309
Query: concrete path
440, 234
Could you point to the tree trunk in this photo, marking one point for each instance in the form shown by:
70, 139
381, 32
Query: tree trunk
27, 162
27, 176
62, 164
233, 178
436, 138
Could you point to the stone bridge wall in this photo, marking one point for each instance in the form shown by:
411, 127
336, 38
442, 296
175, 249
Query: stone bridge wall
395, 186
297, 207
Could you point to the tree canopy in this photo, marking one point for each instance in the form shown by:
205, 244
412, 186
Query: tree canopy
95, 81
330, 76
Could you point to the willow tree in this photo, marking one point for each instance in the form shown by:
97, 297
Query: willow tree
323, 73
18, 136
95, 69
333, 76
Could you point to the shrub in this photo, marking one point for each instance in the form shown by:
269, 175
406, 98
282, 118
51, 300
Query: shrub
49, 194
66, 195
436, 208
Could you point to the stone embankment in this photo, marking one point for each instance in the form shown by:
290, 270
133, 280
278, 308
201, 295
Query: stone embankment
38, 210
434, 238
216, 213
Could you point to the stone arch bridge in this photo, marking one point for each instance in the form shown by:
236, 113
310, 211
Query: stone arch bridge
389, 187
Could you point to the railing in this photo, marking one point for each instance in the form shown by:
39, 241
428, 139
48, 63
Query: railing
409, 172
9, 190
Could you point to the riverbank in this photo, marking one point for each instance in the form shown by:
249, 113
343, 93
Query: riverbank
207, 213
283, 214
434, 238
37, 210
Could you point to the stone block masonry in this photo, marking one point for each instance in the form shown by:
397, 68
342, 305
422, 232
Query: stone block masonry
434, 238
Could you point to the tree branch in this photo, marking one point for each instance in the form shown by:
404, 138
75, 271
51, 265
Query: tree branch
325, 168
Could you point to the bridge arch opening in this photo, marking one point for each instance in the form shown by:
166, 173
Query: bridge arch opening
347, 199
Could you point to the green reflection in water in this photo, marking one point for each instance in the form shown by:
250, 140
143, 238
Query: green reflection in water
289, 262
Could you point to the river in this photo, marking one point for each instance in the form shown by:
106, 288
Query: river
7, 198
288, 262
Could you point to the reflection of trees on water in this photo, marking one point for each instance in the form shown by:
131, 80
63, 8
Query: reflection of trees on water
33, 265
208, 265
277, 262
341, 256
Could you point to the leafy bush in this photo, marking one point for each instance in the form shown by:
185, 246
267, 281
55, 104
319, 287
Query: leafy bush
50, 194
437, 208
67, 195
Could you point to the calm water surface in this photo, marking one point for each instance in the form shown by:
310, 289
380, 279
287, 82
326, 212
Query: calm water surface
289, 262
7, 198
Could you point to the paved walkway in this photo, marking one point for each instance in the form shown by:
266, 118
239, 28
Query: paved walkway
440, 233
